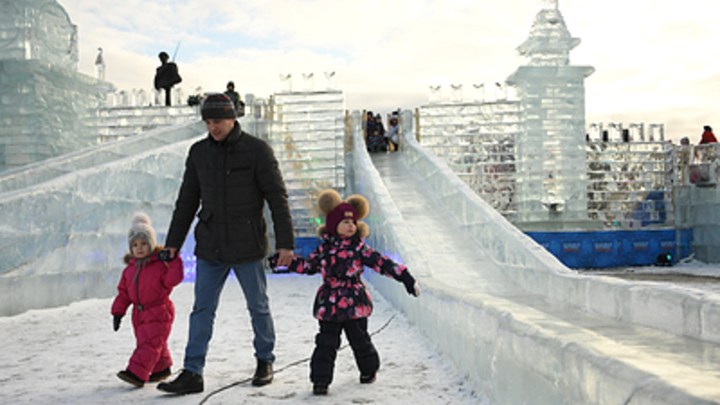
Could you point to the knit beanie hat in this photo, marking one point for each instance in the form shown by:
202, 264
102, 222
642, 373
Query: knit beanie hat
342, 211
218, 106
141, 229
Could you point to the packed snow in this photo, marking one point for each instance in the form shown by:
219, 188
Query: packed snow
70, 355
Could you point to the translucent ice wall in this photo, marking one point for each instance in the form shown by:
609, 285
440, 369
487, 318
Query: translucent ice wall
478, 142
39, 30
307, 133
46, 111
64, 225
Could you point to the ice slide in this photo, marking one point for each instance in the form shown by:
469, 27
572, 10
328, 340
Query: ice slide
525, 329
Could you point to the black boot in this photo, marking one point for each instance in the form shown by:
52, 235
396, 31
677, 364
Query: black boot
160, 375
320, 389
368, 379
263, 373
186, 383
131, 378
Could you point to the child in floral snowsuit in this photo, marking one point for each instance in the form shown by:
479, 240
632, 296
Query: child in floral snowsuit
342, 301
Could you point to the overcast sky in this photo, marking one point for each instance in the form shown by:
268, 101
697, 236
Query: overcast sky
655, 60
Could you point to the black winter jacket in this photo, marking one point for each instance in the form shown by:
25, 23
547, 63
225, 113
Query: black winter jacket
230, 182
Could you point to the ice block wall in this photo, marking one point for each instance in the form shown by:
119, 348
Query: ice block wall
47, 111
48, 108
477, 140
307, 133
63, 231
38, 30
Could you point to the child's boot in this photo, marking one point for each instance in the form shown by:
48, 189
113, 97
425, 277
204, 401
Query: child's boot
129, 377
160, 375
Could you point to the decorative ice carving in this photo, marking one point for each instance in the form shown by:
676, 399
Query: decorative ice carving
286, 83
435, 94
308, 82
456, 95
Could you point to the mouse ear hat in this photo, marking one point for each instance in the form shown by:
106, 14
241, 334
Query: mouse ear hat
331, 204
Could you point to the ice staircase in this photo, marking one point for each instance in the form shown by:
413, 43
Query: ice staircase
525, 329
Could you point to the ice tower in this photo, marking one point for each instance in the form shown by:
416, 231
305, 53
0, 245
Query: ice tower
47, 107
551, 155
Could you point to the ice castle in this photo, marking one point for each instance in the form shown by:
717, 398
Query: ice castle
521, 326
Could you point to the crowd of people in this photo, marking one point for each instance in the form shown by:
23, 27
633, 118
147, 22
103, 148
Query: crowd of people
377, 138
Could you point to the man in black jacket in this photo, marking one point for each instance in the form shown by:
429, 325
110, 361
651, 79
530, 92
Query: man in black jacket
166, 76
229, 175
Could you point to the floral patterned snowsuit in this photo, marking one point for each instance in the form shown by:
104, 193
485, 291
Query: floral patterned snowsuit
343, 302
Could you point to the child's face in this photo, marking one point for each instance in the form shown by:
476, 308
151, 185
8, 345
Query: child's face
140, 249
346, 227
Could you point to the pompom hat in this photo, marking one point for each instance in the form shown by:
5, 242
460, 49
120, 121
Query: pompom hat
331, 204
141, 229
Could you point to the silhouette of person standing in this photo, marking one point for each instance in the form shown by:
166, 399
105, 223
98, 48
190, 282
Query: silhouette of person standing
707, 136
166, 76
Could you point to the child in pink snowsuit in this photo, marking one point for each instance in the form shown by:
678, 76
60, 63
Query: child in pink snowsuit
147, 282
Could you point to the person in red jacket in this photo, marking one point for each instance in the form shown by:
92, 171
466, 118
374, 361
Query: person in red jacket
343, 302
146, 283
707, 136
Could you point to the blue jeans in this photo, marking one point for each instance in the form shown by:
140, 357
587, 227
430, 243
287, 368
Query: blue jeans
209, 281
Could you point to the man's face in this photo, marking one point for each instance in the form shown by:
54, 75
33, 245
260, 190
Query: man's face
219, 128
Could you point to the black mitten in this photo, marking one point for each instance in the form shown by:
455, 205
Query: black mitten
411, 285
116, 322
164, 255
272, 261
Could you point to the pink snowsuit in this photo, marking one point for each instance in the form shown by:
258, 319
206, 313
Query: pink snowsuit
153, 312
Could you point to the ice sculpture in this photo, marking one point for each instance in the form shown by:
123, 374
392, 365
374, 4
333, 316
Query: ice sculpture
37, 29
38, 44
551, 144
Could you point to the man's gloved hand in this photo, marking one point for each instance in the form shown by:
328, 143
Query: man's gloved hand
116, 322
411, 285
273, 263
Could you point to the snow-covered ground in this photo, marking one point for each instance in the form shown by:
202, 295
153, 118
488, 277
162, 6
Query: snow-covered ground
689, 273
70, 355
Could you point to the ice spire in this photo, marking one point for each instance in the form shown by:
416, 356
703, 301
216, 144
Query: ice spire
549, 42
550, 4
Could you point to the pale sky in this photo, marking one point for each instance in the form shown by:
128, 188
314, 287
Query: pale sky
656, 61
